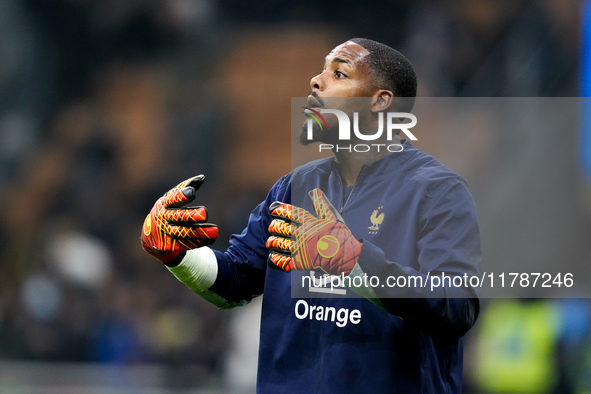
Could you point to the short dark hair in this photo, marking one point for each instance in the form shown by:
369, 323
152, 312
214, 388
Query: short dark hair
392, 71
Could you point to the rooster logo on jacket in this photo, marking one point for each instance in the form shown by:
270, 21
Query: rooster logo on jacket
376, 219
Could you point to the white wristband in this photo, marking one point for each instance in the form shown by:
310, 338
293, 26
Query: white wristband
198, 270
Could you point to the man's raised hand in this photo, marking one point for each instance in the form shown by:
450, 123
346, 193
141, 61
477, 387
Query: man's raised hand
172, 227
300, 241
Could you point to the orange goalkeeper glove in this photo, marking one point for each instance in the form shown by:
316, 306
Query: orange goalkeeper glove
300, 241
171, 227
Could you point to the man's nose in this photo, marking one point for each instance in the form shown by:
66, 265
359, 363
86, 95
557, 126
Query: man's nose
317, 82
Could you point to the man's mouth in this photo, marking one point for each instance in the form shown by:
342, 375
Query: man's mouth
315, 103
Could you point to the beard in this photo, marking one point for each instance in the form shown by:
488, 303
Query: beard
324, 135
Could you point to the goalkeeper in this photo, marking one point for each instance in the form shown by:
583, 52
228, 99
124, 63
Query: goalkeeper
397, 214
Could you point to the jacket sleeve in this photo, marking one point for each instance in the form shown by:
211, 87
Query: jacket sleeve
242, 268
448, 246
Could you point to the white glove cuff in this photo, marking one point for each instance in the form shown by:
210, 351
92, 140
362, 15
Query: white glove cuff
198, 270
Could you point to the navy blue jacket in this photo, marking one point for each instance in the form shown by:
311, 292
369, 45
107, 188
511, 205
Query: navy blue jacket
409, 339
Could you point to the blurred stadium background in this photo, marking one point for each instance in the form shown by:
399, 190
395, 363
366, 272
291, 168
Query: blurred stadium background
104, 105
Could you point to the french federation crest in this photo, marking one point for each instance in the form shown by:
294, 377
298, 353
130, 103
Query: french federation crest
376, 219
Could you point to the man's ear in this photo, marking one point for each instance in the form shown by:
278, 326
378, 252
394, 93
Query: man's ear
381, 100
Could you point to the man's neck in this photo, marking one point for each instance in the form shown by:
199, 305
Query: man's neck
351, 163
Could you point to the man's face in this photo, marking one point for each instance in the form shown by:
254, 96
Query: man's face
345, 75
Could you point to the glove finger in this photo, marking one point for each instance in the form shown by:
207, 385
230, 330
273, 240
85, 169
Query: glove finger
279, 261
186, 216
193, 243
323, 207
183, 193
195, 182
157, 242
280, 244
201, 231
170, 245
280, 210
176, 198
289, 213
281, 227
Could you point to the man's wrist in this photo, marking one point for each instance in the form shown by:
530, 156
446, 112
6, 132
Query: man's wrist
177, 260
197, 269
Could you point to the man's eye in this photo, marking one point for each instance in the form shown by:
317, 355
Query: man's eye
339, 74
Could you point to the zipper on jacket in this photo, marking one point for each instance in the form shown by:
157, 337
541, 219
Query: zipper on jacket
343, 201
